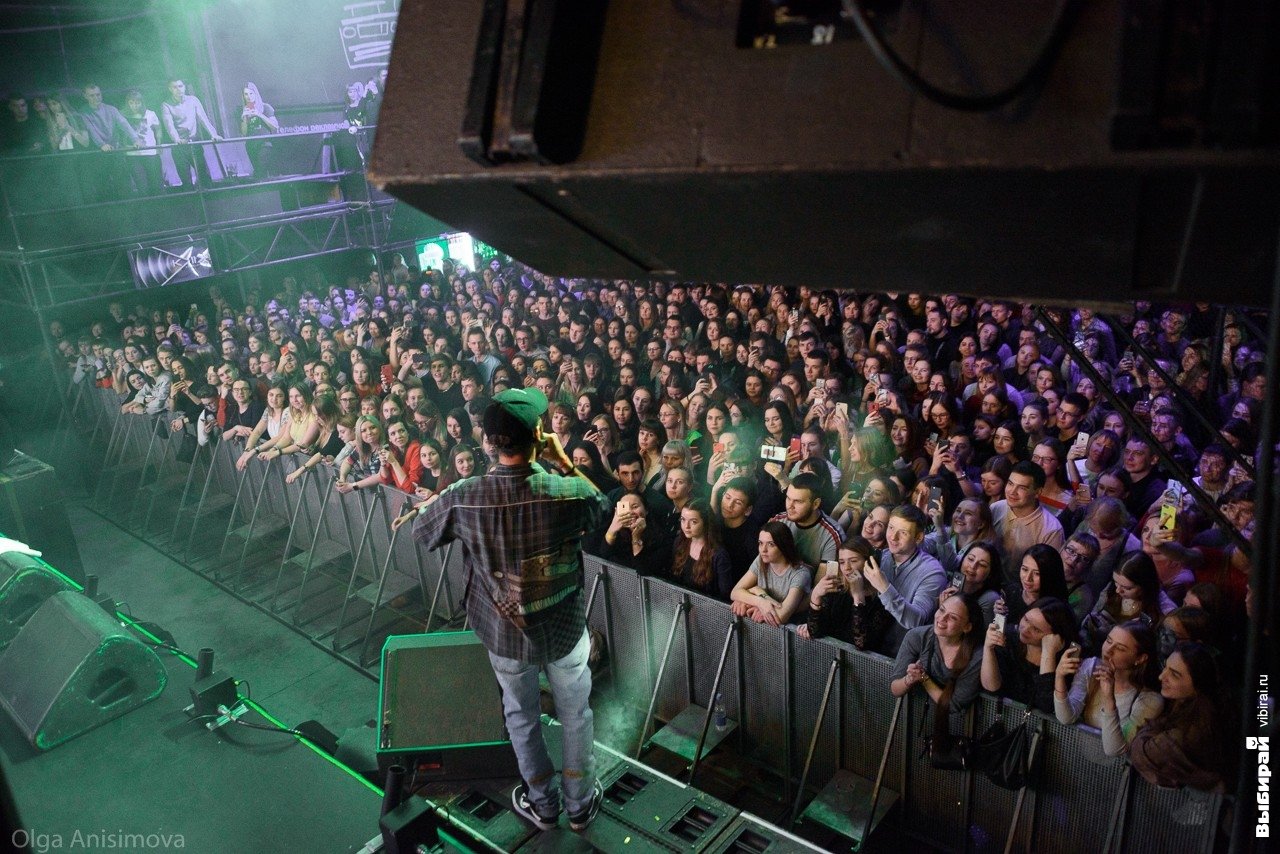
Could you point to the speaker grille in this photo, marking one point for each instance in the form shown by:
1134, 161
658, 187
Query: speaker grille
72, 668
438, 691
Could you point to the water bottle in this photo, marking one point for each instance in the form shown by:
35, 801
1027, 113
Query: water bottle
719, 715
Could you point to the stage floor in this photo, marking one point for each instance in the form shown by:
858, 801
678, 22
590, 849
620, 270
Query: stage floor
153, 771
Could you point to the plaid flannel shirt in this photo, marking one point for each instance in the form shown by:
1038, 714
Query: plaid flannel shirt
520, 529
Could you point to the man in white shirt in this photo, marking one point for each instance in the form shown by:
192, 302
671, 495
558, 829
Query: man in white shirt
184, 119
1020, 520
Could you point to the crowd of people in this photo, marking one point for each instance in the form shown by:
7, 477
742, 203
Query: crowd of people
57, 122
936, 479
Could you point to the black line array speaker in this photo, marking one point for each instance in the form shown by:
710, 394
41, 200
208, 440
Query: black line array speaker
72, 668
32, 510
440, 709
24, 585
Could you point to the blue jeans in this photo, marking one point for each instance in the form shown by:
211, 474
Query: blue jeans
570, 679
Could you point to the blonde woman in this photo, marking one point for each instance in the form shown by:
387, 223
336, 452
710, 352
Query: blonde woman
363, 466
322, 439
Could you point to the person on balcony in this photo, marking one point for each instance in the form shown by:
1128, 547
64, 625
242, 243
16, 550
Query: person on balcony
258, 118
185, 122
144, 161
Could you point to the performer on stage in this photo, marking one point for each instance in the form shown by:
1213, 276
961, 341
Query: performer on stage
521, 533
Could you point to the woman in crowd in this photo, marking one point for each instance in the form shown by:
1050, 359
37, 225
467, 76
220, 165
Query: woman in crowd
698, 559
695, 410
431, 455
716, 421
781, 394
1208, 598
773, 590
587, 407
586, 457
779, 425
745, 417
1024, 670
594, 378
1184, 745
457, 424
1115, 692
1057, 495
844, 606
1115, 422
401, 462
753, 388
244, 412
650, 439
1172, 559
671, 417
363, 380
630, 541
1133, 594
258, 118
604, 435
391, 408
944, 418
321, 436
343, 438
1041, 575
624, 418
862, 452
1005, 442
274, 421
642, 401
944, 660
994, 402
464, 461
675, 454
980, 576
1101, 453
562, 420
908, 445
363, 467
572, 381
67, 131
970, 523
994, 478
301, 419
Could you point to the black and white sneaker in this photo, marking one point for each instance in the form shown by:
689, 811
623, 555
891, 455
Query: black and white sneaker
520, 803
579, 820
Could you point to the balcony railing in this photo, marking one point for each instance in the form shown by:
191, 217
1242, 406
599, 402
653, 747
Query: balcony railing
74, 201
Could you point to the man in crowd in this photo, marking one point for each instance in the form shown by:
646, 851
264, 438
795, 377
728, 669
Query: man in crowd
185, 122
1145, 486
1019, 519
108, 130
22, 133
817, 535
907, 578
737, 530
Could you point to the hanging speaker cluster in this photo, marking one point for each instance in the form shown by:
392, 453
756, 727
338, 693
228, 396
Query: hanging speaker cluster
167, 264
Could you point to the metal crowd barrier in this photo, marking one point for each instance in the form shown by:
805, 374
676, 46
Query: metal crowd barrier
324, 563
329, 565
773, 684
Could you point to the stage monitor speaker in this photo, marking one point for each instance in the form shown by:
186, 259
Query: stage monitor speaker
440, 709
24, 585
32, 510
72, 668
